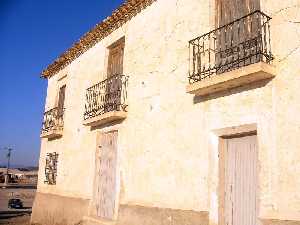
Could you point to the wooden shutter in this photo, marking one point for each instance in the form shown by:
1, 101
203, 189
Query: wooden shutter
230, 39
105, 194
241, 181
230, 10
115, 58
115, 67
61, 99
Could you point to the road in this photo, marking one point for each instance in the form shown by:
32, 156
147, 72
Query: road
25, 194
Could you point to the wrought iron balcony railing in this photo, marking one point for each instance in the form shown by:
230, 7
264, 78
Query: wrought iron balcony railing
53, 120
106, 96
240, 43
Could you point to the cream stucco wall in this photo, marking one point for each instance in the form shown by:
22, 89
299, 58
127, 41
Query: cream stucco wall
284, 171
167, 145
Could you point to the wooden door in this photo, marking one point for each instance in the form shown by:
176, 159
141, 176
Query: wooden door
241, 181
106, 175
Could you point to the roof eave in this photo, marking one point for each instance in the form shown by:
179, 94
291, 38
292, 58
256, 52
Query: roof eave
120, 16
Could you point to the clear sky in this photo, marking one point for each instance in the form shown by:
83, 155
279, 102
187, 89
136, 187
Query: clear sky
32, 34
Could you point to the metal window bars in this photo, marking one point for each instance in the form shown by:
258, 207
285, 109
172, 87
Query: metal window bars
51, 168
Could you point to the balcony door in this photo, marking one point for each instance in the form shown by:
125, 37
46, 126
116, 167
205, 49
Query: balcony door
237, 43
230, 10
114, 73
115, 58
61, 100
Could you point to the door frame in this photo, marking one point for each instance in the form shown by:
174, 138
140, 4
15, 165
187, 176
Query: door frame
222, 171
216, 167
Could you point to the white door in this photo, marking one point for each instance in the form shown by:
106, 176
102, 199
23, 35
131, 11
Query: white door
105, 181
241, 181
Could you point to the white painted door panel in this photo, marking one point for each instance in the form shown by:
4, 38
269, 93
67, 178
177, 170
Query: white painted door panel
105, 193
241, 206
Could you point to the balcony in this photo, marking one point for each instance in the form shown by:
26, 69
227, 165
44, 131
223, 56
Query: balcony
233, 55
53, 123
106, 101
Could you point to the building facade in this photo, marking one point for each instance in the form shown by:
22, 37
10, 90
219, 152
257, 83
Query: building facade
176, 112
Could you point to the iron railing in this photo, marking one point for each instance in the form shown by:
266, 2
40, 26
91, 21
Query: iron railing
107, 96
240, 43
53, 119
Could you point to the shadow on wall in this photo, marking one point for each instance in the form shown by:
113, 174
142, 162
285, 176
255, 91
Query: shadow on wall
110, 124
259, 84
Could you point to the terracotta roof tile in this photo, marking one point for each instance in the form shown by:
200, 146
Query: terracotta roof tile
124, 13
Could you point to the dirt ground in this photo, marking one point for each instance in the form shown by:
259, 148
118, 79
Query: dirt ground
22, 220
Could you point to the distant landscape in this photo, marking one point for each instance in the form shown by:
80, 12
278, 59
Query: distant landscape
20, 167
20, 184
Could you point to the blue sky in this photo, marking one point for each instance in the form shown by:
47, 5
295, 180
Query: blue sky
32, 34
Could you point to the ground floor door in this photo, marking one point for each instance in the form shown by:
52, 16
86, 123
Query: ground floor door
105, 180
241, 181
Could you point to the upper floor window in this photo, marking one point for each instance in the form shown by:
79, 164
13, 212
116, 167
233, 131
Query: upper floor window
53, 121
61, 99
106, 101
241, 38
115, 58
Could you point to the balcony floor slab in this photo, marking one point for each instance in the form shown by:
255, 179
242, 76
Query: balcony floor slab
105, 118
54, 133
235, 78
